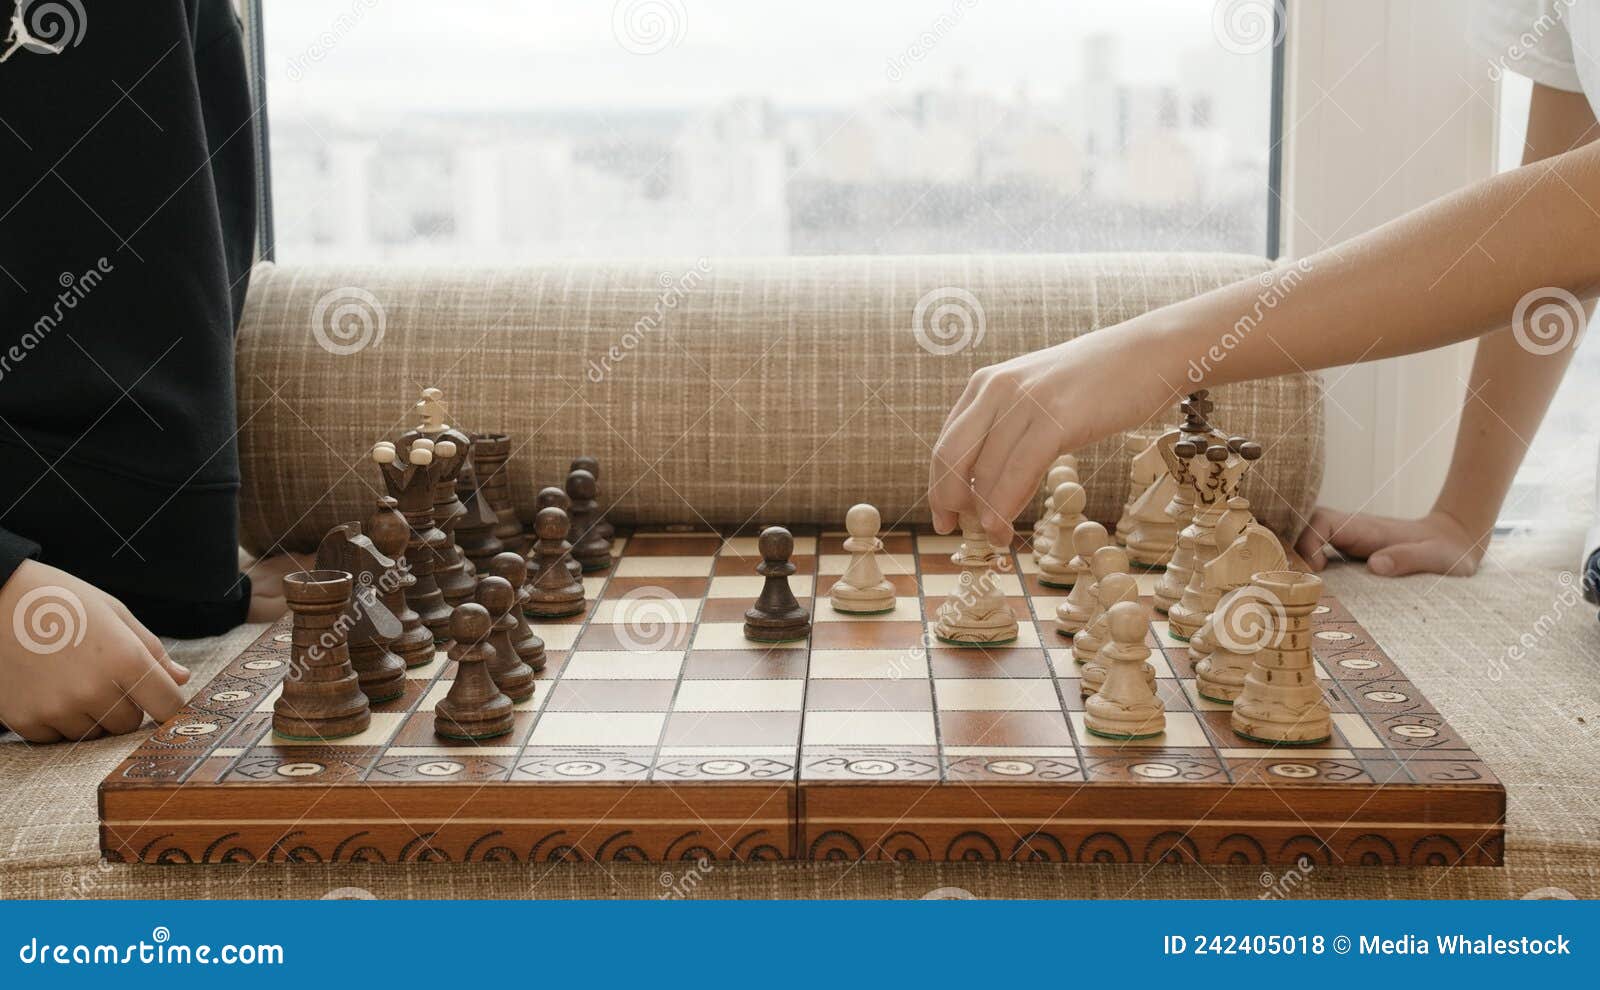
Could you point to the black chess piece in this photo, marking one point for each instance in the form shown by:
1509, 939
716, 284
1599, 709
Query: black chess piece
513, 677
591, 464
776, 617
514, 569
557, 497
552, 590
474, 708
372, 627
589, 546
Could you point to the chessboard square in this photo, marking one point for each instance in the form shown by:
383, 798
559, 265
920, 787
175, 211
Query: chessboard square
1003, 694
377, 733
690, 588
436, 693
419, 731
556, 635
868, 694
1027, 637
732, 665
747, 695
1026, 564
944, 585
1146, 582
1003, 730
623, 665
730, 636
732, 728
635, 637
749, 586
1183, 730
611, 696
270, 699
1356, 732
891, 564
869, 635
431, 669
749, 547
902, 609
906, 664
943, 545
597, 729
676, 545
958, 662
648, 607
1191, 688
593, 586
870, 728
1044, 606
1161, 634
664, 566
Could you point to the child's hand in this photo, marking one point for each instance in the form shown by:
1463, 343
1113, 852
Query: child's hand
75, 663
1434, 544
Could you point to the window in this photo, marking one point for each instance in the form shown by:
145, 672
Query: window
482, 132
1556, 484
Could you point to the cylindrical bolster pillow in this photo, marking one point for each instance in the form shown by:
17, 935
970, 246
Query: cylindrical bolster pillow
714, 392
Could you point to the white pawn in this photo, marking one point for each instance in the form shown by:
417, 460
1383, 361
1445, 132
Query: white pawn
1044, 531
862, 590
1107, 560
976, 613
1111, 590
1055, 566
1074, 613
1126, 706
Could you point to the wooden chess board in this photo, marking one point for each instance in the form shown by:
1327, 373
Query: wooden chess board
659, 733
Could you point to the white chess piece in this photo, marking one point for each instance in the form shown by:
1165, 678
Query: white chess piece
1074, 613
1126, 706
1110, 590
976, 613
1055, 567
862, 589
1044, 531
1107, 560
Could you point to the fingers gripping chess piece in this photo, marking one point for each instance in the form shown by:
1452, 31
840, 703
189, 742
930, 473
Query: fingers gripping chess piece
862, 589
372, 627
1281, 701
321, 696
1055, 566
1222, 650
552, 590
474, 708
513, 677
1126, 705
390, 532
1074, 613
553, 496
776, 617
1216, 484
409, 478
1107, 560
514, 569
1152, 534
590, 546
1110, 590
1045, 530
976, 613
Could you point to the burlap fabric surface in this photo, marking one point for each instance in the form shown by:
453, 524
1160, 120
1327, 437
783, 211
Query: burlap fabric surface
750, 392
1538, 726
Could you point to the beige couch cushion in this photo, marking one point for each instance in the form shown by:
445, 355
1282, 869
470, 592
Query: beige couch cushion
717, 392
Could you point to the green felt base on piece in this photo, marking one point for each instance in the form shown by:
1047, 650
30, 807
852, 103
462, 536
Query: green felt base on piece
959, 642
284, 735
784, 639
1123, 738
592, 568
468, 737
388, 697
535, 616
1053, 584
1152, 568
851, 611
1158, 610
1215, 701
1282, 742
1173, 635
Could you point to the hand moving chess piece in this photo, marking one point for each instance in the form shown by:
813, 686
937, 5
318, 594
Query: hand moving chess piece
1126, 705
1109, 590
1074, 613
372, 627
1107, 560
491, 454
552, 590
1223, 647
474, 708
591, 464
554, 496
389, 532
1281, 702
412, 488
321, 697
862, 590
514, 569
1044, 531
976, 613
513, 677
776, 617
1055, 569
590, 546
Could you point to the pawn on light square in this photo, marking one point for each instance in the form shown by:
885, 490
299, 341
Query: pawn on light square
863, 590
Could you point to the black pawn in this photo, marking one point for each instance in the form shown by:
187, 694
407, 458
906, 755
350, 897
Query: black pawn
591, 464
552, 590
474, 708
589, 545
514, 569
776, 617
557, 497
513, 677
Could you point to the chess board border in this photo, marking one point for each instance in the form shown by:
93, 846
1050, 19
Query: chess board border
200, 792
